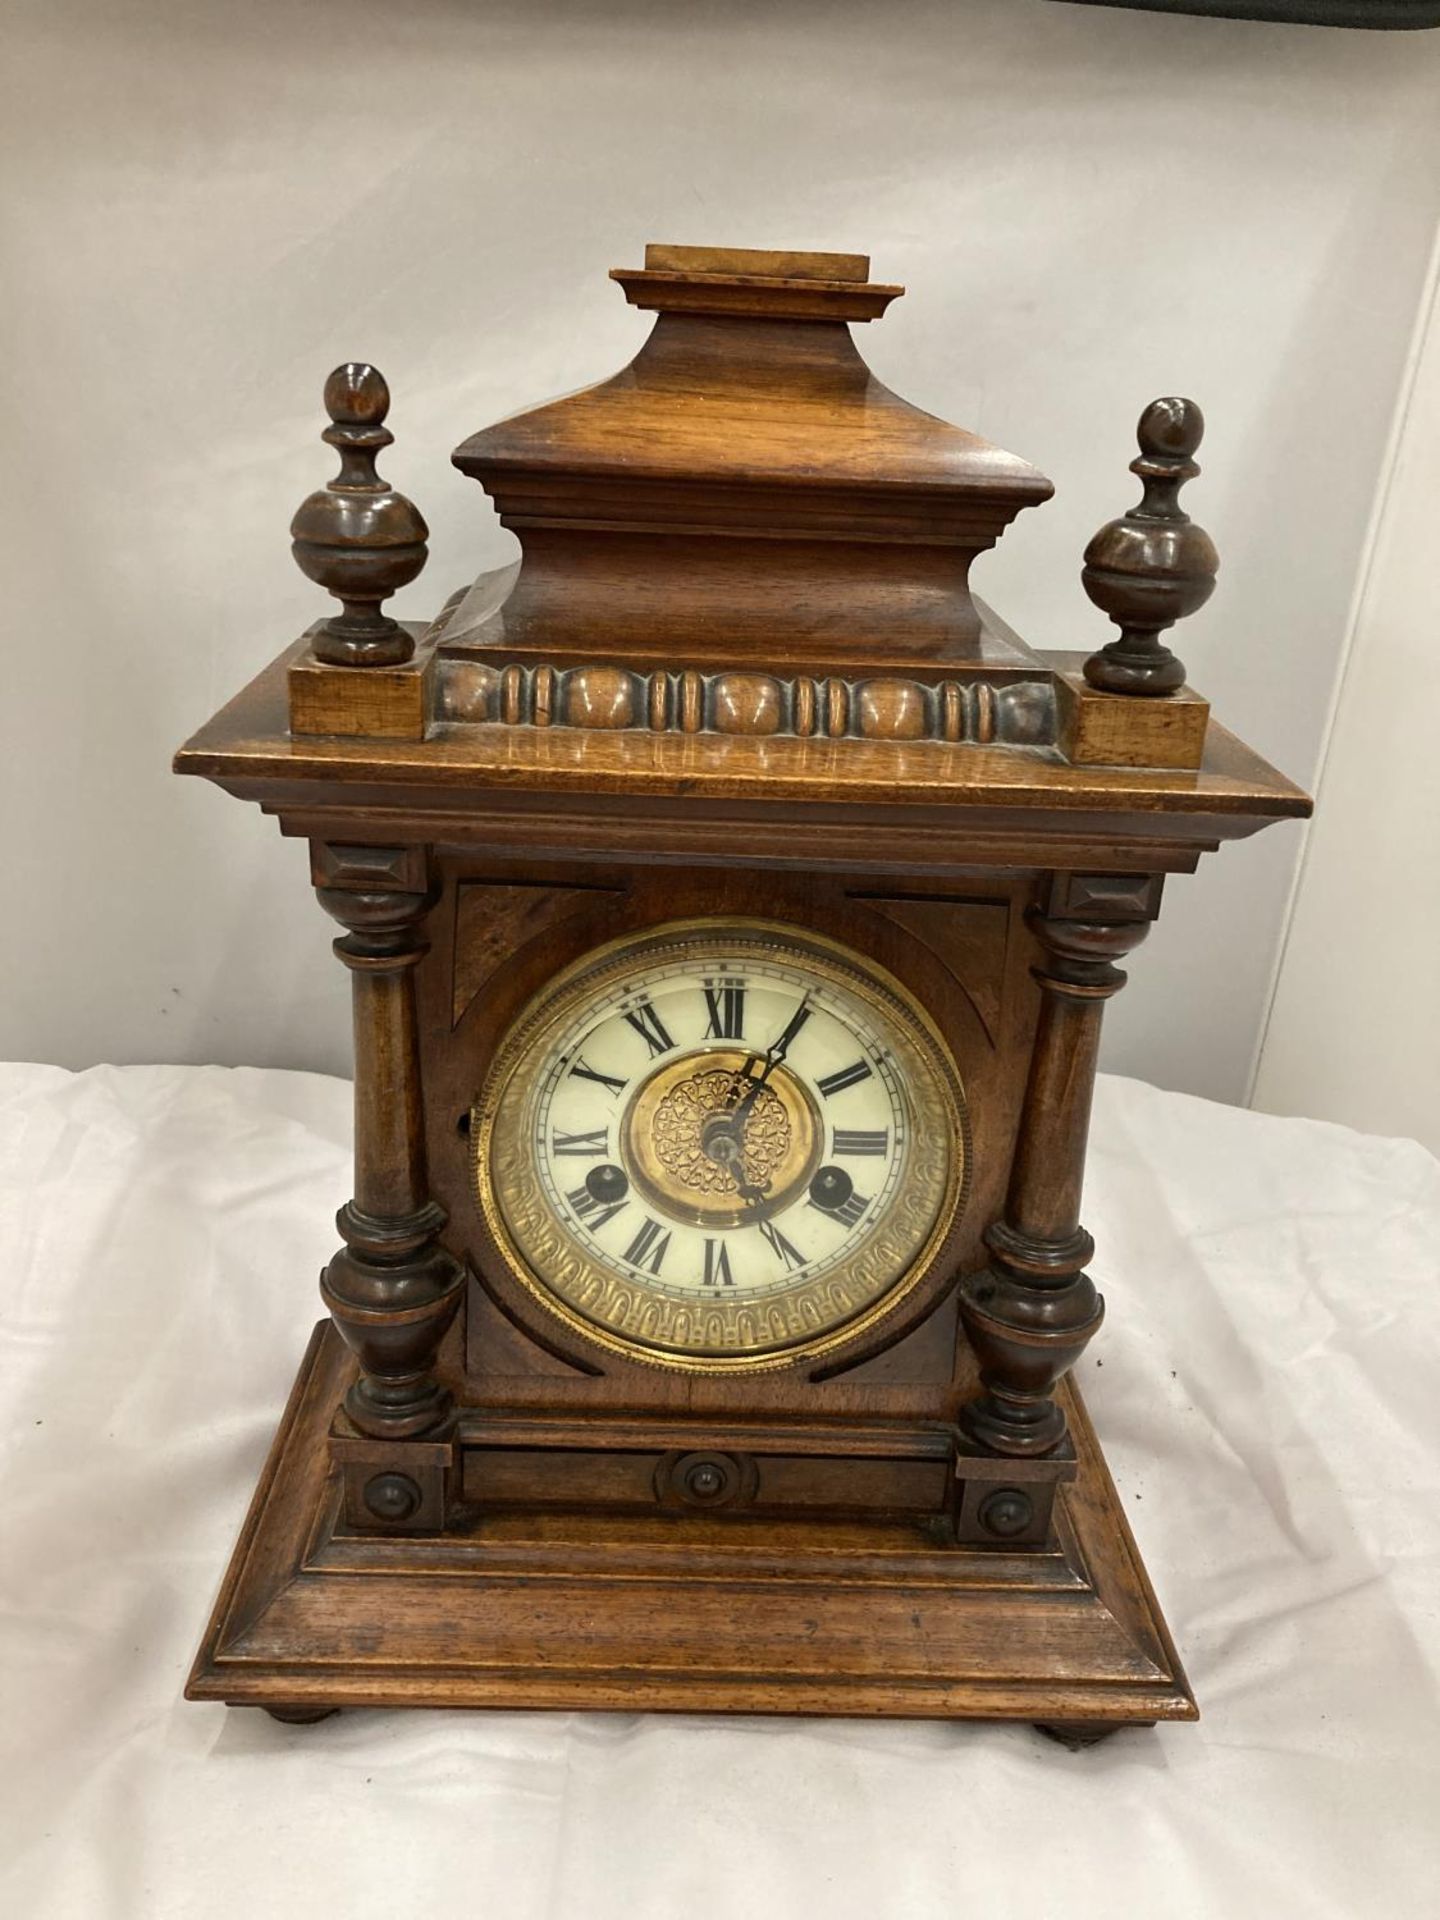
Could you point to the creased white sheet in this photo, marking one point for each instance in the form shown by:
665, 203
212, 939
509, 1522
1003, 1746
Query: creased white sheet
1267, 1386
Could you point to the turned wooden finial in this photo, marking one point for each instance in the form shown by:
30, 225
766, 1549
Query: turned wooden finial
358, 538
1153, 566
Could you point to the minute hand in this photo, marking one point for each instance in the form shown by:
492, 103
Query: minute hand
773, 1055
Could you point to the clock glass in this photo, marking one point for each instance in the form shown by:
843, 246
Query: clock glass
720, 1145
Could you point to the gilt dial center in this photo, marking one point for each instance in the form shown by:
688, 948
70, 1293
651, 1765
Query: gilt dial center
718, 1136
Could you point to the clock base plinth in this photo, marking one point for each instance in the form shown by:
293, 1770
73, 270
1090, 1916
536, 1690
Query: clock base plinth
677, 1613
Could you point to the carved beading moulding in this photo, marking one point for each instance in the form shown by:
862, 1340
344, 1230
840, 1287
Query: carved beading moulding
746, 702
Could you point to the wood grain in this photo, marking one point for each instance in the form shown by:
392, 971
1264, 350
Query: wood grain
739, 674
702, 1614
1098, 729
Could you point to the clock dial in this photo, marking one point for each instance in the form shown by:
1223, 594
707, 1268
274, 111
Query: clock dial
720, 1144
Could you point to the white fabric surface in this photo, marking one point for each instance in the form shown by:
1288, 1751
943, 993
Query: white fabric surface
1265, 1388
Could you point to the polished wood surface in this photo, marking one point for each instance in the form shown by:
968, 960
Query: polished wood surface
395, 701
392, 1290
1153, 566
746, 492
746, 282
358, 538
738, 675
680, 1612
965, 956
1030, 1313
249, 749
1099, 729
758, 263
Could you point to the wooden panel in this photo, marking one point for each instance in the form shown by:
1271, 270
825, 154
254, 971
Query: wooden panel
369, 703
1129, 730
967, 936
706, 1614
660, 258
590, 1479
750, 462
516, 1354
494, 919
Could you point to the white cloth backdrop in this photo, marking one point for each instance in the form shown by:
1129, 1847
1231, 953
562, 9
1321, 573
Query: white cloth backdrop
1266, 1388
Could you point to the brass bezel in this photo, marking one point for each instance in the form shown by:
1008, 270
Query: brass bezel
939, 1126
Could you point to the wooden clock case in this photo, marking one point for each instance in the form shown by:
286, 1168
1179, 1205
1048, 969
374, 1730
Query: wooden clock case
739, 674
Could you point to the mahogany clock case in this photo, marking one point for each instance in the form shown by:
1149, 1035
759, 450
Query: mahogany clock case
738, 681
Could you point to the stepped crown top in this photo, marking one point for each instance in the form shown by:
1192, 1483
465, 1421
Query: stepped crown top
750, 378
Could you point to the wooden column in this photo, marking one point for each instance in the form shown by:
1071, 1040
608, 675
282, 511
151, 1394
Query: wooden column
1031, 1312
392, 1290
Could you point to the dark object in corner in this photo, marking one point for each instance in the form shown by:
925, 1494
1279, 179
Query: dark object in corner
1297, 13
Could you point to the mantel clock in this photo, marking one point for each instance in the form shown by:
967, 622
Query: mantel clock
730, 900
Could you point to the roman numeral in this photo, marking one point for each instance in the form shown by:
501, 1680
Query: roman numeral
850, 1211
725, 1003
650, 1027
858, 1141
588, 1146
594, 1213
717, 1264
844, 1077
649, 1247
778, 1244
583, 1072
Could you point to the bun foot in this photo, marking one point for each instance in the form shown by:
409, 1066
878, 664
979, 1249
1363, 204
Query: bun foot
300, 1716
1079, 1734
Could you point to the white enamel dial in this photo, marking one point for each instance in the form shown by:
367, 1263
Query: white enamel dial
711, 1144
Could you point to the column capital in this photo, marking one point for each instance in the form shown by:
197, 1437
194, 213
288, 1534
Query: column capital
1080, 954
1088, 921
378, 894
382, 926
